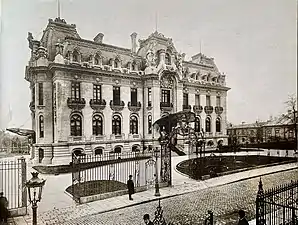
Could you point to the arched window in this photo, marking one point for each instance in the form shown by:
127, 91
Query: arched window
217, 125
167, 59
149, 124
96, 61
41, 127
197, 124
208, 124
76, 125
75, 56
116, 125
117, 149
98, 151
135, 148
133, 125
77, 152
97, 125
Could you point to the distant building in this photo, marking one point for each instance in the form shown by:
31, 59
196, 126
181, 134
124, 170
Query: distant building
269, 131
91, 97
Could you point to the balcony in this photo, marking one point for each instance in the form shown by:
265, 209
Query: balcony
134, 136
134, 107
218, 110
117, 136
97, 104
117, 107
208, 109
76, 103
197, 109
166, 106
186, 108
76, 139
32, 106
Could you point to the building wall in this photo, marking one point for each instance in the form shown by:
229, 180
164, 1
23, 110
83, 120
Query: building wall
58, 69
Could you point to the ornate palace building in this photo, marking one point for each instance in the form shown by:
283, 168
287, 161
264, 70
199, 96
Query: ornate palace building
93, 97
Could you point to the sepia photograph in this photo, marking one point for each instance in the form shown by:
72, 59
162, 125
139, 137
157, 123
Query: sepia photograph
138, 112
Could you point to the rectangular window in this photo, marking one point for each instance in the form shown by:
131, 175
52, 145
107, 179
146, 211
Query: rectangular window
197, 100
166, 97
96, 92
33, 94
40, 93
75, 90
149, 98
208, 100
218, 101
133, 96
116, 95
185, 99
277, 133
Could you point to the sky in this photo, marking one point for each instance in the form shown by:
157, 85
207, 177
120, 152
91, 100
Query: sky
253, 43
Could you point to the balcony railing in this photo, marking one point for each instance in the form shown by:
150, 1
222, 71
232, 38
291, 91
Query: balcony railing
32, 106
218, 109
134, 107
97, 104
117, 107
197, 108
186, 107
166, 106
76, 103
76, 138
208, 109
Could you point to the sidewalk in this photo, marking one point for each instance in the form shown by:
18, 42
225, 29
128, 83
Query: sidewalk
181, 186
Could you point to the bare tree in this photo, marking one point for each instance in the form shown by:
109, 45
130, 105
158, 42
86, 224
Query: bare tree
290, 117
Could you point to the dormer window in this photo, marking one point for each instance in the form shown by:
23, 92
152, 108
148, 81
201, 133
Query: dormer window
67, 55
96, 61
117, 64
75, 56
134, 66
168, 59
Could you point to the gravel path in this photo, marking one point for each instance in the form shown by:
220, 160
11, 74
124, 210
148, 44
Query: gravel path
224, 201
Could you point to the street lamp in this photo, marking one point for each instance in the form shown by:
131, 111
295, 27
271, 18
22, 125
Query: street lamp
35, 186
156, 173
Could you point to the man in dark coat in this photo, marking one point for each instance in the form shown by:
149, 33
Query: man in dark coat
130, 187
3, 208
242, 220
147, 219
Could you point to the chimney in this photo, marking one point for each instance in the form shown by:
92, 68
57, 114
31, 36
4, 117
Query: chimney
133, 42
98, 38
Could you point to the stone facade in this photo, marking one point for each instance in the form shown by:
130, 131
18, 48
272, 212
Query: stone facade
88, 95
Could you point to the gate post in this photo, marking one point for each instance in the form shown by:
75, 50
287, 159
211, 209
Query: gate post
260, 206
22, 161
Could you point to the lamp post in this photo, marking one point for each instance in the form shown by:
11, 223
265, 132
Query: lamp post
156, 173
35, 185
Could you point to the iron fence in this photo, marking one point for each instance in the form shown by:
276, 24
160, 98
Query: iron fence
12, 182
278, 205
109, 172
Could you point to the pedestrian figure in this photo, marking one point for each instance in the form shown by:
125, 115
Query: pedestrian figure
3, 209
130, 187
242, 219
147, 220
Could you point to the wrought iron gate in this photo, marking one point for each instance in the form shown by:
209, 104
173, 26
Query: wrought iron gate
110, 167
278, 206
12, 184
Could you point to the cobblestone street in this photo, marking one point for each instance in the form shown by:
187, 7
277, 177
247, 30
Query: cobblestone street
192, 208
